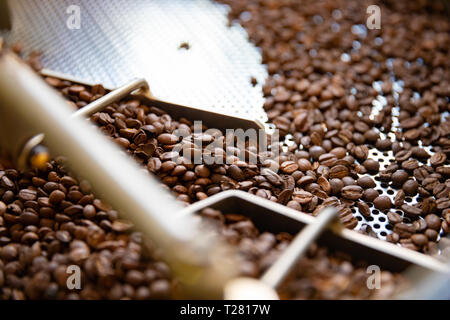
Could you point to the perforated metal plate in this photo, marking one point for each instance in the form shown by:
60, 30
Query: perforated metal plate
119, 40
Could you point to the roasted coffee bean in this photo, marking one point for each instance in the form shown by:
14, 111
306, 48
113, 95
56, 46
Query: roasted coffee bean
316, 152
433, 222
431, 234
154, 164
419, 239
304, 165
236, 173
399, 177
404, 230
352, 192
410, 187
370, 195
438, 158
348, 181
420, 225
393, 237
364, 209
29, 218
382, 203
338, 171
361, 152
399, 198
27, 195
167, 138
336, 186
56, 197
394, 218
410, 165
411, 211
371, 165
366, 182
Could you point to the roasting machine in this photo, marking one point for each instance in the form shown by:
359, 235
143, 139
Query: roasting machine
36, 124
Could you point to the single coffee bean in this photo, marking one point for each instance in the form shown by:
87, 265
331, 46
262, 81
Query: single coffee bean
316, 152
289, 167
420, 225
27, 195
366, 182
371, 165
352, 192
364, 209
63, 236
382, 203
56, 197
404, 230
154, 164
370, 194
29, 218
167, 138
304, 165
411, 211
431, 234
336, 186
236, 173
410, 187
393, 237
438, 159
89, 211
394, 218
384, 144
433, 222
399, 177
399, 198
348, 181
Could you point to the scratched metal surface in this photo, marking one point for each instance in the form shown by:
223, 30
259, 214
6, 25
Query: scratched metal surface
119, 40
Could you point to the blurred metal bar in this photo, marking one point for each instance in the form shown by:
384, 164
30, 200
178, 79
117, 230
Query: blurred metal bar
275, 275
111, 97
29, 106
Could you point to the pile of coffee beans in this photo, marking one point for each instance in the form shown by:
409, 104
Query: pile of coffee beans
326, 275
307, 180
335, 84
78, 95
321, 274
341, 92
50, 222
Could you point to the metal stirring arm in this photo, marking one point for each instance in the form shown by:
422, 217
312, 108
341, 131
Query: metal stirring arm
29, 106
264, 288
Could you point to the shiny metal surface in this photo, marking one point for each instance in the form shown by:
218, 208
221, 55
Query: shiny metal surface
119, 40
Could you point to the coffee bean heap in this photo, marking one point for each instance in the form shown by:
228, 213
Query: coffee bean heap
147, 133
49, 221
321, 274
78, 95
308, 181
335, 84
325, 72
